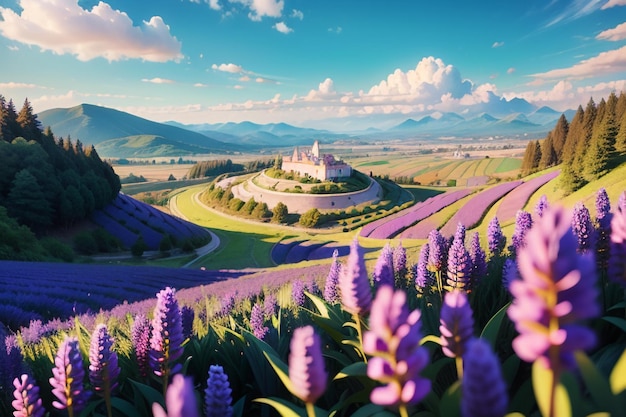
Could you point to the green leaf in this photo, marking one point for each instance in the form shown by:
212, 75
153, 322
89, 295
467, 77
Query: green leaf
616, 321
492, 328
618, 375
356, 369
284, 408
542, 386
149, 394
281, 369
319, 304
124, 407
372, 410
450, 403
597, 385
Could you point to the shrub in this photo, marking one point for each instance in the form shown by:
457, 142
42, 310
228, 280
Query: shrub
166, 243
279, 212
85, 244
58, 249
139, 247
311, 218
235, 204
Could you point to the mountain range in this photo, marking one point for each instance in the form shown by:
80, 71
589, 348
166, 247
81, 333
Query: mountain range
117, 134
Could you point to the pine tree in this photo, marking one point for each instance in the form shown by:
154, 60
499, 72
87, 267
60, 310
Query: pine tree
548, 153
598, 155
27, 202
559, 135
527, 161
28, 122
620, 108
620, 138
536, 156
570, 179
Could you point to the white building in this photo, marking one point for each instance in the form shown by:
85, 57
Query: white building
324, 167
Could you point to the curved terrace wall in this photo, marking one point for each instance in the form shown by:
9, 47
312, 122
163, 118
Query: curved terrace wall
301, 202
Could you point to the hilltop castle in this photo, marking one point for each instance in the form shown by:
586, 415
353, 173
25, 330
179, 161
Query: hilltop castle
324, 167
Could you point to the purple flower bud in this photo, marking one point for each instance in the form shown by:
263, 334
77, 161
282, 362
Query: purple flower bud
495, 238
542, 205
394, 342
438, 251
187, 315
603, 205
399, 260
331, 294
141, 332
603, 229
583, 228
167, 335
297, 292
617, 259
621, 203
509, 272
67, 377
383, 271
423, 276
459, 264
557, 289
180, 399
218, 395
457, 324
354, 285
523, 223
103, 365
257, 321
270, 304
306, 365
484, 392
27, 402
479, 261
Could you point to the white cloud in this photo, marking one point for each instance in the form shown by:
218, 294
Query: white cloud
63, 27
282, 28
616, 34
497, 44
336, 30
261, 8
238, 87
232, 68
613, 3
6, 86
200, 85
605, 63
297, 14
244, 79
13, 48
510, 70
576, 10
157, 80
215, 5
325, 91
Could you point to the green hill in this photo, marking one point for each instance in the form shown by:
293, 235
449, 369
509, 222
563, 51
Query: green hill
95, 125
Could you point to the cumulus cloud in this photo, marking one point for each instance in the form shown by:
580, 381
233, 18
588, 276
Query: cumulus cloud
497, 44
157, 80
6, 86
325, 91
215, 5
297, 14
616, 34
510, 70
605, 63
282, 28
261, 8
64, 27
232, 68
613, 3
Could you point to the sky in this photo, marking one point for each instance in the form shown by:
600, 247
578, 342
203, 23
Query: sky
310, 63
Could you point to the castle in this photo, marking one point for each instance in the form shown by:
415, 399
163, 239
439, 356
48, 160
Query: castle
324, 167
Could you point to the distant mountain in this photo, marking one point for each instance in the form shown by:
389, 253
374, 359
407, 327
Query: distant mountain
95, 125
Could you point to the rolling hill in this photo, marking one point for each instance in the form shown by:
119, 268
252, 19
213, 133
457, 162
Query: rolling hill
118, 134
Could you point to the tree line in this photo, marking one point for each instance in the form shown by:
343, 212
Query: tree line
586, 148
45, 181
216, 167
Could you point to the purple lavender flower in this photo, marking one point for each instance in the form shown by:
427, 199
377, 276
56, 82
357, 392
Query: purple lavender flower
438, 251
523, 223
306, 365
67, 378
383, 270
257, 321
399, 260
603, 229
495, 238
180, 399
297, 292
541, 205
187, 315
354, 285
621, 203
479, 261
27, 402
603, 205
459, 264
103, 365
217, 395
484, 393
226, 304
270, 304
457, 324
583, 228
167, 335
509, 272
398, 358
556, 289
617, 260
140, 336
331, 294
423, 277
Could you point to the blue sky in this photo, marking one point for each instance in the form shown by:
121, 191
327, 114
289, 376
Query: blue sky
315, 63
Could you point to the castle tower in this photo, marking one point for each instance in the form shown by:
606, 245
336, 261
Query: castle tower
315, 150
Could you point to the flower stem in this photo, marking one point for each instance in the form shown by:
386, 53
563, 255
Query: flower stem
359, 333
310, 409
459, 367
403, 411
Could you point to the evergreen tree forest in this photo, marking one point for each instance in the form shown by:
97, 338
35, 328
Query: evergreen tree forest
48, 182
587, 147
